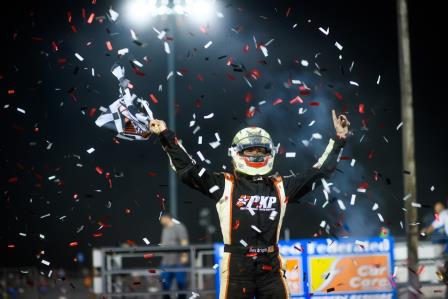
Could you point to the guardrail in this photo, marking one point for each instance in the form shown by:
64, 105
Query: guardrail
111, 263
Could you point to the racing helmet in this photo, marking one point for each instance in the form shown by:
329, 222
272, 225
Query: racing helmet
249, 138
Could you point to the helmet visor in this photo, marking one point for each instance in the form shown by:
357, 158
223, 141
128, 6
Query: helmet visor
254, 141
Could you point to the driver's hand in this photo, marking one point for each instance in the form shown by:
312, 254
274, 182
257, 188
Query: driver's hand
157, 126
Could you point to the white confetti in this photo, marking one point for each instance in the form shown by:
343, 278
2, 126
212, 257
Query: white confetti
273, 215
213, 189
146, 241
196, 129
208, 116
354, 83
45, 216
399, 126
207, 45
375, 207
201, 172
323, 223
200, 155
290, 155
21, 110
352, 163
215, 266
339, 46
90, 150
378, 80
304, 63
311, 123
199, 139
407, 196
167, 48
113, 14
50, 178
341, 204
326, 32
380, 217
133, 35
80, 58
264, 50
46, 263
243, 243
256, 229
416, 205
352, 199
432, 188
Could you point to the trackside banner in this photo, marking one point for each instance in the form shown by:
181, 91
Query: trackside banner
334, 269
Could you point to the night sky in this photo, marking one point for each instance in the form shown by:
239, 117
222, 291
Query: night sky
40, 74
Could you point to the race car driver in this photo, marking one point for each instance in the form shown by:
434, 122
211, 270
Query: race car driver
251, 204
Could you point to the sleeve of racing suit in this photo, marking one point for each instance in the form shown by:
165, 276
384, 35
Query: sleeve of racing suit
298, 185
191, 173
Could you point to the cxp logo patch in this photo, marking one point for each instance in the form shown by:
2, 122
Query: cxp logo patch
256, 202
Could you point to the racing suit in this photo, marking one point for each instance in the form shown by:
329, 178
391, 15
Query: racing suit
251, 210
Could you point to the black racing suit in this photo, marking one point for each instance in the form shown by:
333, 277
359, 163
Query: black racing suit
251, 210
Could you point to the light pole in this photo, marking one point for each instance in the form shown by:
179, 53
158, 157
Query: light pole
144, 10
408, 145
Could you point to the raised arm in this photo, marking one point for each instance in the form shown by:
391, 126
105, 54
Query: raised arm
297, 186
194, 175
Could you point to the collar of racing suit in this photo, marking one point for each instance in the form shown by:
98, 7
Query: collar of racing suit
253, 178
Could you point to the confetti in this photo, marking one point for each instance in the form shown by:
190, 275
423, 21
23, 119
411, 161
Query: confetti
146, 241
90, 150
375, 207
80, 58
380, 217
354, 83
256, 229
339, 46
378, 80
213, 189
326, 32
46, 263
399, 126
290, 155
243, 243
21, 110
207, 45
341, 204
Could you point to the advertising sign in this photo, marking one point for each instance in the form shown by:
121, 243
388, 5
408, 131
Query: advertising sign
329, 268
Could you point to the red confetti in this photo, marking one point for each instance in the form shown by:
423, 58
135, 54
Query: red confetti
55, 46
90, 20
361, 108
305, 91
11, 246
11, 91
13, 180
97, 235
363, 185
230, 76
152, 174
288, 11
109, 46
314, 103
138, 72
69, 16
338, 96
255, 74
152, 271
148, 255
153, 98
236, 225
127, 211
296, 100
277, 101
266, 268
92, 112
371, 154
99, 170
246, 48
200, 77
248, 97
73, 244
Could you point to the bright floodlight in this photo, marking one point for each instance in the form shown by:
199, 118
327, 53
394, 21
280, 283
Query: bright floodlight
200, 10
139, 11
